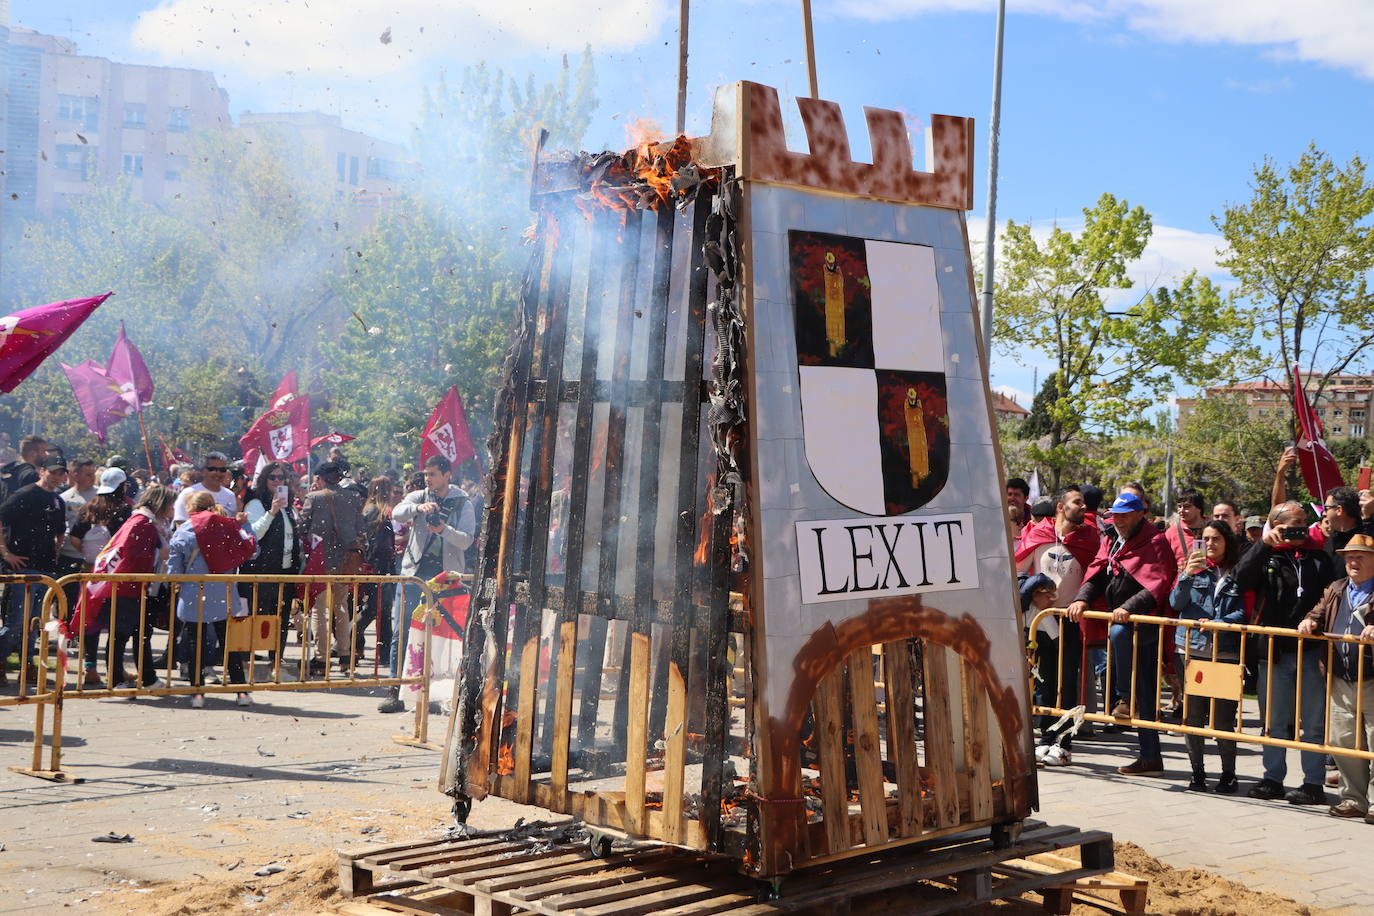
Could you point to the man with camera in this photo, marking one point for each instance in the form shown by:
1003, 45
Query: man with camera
1288, 573
442, 525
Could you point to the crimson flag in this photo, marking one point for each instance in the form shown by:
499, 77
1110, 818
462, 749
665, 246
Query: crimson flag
446, 433
1320, 471
332, 438
127, 368
100, 397
30, 336
286, 391
283, 433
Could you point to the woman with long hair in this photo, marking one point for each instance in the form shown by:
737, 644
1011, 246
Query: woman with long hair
96, 523
273, 522
1206, 591
210, 543
137, 547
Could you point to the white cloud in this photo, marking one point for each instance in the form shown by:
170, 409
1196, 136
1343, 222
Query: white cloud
328, 55
267, 38
1171, 254
1023, 398
1337, 33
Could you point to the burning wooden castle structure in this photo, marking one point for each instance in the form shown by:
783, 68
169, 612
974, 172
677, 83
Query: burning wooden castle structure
745, 583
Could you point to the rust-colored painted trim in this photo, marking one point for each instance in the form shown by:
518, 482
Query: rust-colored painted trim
762, 153
886, 619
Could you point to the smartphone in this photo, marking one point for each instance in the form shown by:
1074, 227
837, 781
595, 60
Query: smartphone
1294, 533
1197, 546
1363, 482
282, 491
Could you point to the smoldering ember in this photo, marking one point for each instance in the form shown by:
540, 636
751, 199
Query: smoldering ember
430, 483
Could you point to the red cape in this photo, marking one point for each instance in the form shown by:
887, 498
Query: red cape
1082, 541
1148, 558
133, 549
224, 543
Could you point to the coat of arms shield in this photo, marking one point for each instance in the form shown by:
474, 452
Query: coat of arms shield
870, 355
281, 441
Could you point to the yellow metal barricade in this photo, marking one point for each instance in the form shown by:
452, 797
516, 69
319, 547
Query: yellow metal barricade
1210, 677
42, 607
271, 602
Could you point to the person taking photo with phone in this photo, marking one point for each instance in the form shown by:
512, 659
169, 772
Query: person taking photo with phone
442, 526
274, 523
1288, 573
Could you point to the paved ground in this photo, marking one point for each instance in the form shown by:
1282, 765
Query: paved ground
1297, 851
203, 789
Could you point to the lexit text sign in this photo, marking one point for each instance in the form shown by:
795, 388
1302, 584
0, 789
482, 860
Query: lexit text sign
857, 558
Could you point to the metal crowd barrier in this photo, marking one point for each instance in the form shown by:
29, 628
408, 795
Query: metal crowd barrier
33, 687
264, 629
1212, 679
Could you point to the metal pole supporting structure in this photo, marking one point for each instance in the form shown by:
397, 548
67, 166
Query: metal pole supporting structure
810, 49
990, 236
684, 8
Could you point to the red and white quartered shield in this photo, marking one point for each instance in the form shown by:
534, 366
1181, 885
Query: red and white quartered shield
870, 355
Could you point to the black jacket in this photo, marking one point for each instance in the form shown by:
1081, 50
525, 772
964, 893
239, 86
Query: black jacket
1287, 584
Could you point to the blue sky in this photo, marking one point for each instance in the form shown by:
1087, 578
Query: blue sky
1167, 103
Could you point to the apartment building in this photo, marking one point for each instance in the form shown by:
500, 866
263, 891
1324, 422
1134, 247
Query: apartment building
1343, 407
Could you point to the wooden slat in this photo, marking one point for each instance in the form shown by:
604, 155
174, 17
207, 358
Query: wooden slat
636, 733
525, 710
635, 886
675, 754
607, 877
549, 859
827, 704
867, 749
562, 721
939, 734
538, 876
437, 852
901, 735
976, 761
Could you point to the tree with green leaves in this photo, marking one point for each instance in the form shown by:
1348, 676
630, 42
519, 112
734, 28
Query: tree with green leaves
1302, 250
432, 292
1110, 365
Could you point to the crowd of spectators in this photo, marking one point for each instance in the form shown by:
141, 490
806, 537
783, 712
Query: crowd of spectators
59, 517
1280, 569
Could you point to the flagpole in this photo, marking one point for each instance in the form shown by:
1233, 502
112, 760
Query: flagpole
147, 452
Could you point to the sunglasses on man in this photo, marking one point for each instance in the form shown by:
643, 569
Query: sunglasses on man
209, 469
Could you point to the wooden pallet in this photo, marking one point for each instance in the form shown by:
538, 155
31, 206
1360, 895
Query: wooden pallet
492, 876
1131, 892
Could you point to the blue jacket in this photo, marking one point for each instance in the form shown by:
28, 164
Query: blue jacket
1196, 597
185, 559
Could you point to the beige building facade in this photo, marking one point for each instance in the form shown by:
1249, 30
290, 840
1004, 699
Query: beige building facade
1344, 406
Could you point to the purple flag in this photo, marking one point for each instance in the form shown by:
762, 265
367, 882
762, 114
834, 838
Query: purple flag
126, 367
31, 336
100, 397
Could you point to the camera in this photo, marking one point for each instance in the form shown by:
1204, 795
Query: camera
1294, 533
436, 518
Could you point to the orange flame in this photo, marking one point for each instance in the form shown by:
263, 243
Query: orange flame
505, 761
700, 555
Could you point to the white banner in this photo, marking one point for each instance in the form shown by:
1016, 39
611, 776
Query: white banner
856, 558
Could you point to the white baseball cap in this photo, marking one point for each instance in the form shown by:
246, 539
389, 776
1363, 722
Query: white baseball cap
110, 479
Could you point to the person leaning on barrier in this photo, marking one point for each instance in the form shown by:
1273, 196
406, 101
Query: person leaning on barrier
34, 522
1288, 573
135, 548
210, 543
1344, 610
1061, 549
442, 525
100, 517
1206, 590
1133, 573
336, 517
